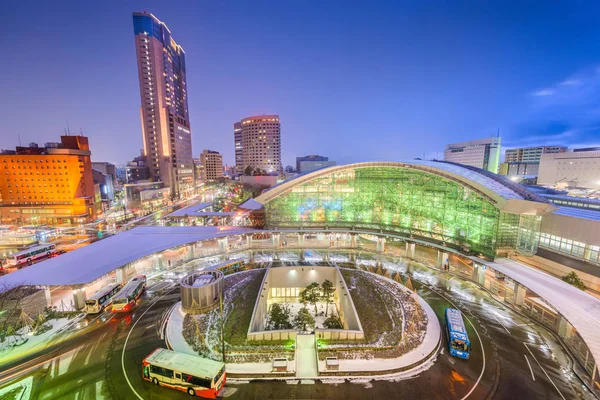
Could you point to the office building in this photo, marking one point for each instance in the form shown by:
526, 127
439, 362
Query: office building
164, 105
261, 143
579, 168
137, 170
480, 153
105, 186
213, 164
239, 154
199, 171
312, 163
530, 154
108, 169
48, 185
146, 195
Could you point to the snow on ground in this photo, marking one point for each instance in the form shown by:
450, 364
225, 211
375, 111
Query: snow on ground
319, 316
17, 345
174, 334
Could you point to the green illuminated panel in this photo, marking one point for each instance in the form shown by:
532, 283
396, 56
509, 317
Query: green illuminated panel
393, 199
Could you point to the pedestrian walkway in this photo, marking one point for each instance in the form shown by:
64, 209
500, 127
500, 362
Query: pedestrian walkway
306, 356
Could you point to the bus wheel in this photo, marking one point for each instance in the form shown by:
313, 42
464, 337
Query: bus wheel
29, 261
191, 392
48, 254
155, 381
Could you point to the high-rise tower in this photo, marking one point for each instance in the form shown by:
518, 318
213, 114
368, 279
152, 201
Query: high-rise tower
164, 106
260, 142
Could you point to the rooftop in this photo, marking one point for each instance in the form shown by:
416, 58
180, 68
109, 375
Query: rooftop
190, 211
580, 213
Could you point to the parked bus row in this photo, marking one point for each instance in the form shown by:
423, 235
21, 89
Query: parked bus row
120, 299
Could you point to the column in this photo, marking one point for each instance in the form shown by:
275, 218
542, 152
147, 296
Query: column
275, 239
223, 245
352, 256
158, 261
520, 292
249, 241
190, 252
251, 256
353, 240
301, 239
302, 256
326, 257
442, 258
120, 275
410, 250
380, 244
565, 329
481, 275
79, 298
48, 296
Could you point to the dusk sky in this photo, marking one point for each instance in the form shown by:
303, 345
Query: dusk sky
352, 81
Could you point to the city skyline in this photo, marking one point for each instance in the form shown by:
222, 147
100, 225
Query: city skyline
315, 73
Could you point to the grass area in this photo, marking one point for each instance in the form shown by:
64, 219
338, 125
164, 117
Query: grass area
238, 320
369, 305
13, 394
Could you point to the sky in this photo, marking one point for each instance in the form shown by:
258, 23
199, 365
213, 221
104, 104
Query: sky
355, 81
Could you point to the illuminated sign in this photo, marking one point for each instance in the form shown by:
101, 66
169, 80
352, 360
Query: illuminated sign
181, 128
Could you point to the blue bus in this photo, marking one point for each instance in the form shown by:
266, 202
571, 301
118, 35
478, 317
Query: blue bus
458, 341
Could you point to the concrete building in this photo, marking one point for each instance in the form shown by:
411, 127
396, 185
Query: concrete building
48, 185
164, 105
530, 154
239, 154
105, 186
312, 163
137, 170
108, 169
213, 164
146, 195
480, 153
576, 168
261, 143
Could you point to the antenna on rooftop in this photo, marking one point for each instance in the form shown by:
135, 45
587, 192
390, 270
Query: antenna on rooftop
19, 139
68, 131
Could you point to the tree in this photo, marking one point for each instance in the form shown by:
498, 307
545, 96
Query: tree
279, 317
573, 279
333, 322
327, 290
248, 170
304, 319
311, 295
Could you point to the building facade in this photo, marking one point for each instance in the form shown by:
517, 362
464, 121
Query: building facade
579, 169
312, 163
164, 105
48, 185
480, 153
260, 142
530, 154
239, 153
213, 164
146, 195
199, 171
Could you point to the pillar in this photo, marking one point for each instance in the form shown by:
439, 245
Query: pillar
480, 275
410, 250
79, 298
223, 245
249, 241
302, 256
442, 258
353, 240
520, 292
251, 256
594, 372
275, 239
48, 295
120, 275
301, 239
158, 261
326, 257
190, 252
380, 244
352, 256
565, 329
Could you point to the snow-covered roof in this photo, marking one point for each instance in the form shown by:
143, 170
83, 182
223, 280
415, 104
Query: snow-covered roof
251, 204
93, 261
578, 307
189, 210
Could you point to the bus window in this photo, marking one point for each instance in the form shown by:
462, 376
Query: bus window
196, 380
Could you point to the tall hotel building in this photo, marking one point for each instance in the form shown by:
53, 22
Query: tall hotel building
164, 105
260, 139
480, 153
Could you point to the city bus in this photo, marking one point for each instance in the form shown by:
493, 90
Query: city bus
126, 298
101, 299
28, 256
458, 341
192, 374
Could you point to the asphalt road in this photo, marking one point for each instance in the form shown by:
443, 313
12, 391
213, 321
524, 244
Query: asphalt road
512, 358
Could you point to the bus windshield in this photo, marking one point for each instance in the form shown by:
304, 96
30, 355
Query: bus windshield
459, 345
123, 300
90, 302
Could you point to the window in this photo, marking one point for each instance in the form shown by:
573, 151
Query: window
167, 373
194, 380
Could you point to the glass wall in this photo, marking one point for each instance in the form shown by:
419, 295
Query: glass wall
571, 248
393, 199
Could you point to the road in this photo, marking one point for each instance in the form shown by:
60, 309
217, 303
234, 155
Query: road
512, 358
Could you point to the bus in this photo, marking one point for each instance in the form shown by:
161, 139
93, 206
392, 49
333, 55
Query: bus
101, 299
28, 256
126, 298
458, 341
230, 266
192, 374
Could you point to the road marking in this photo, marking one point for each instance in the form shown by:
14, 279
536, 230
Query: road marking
507, 331
530, 369
127, 339
480, 342
544, 371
